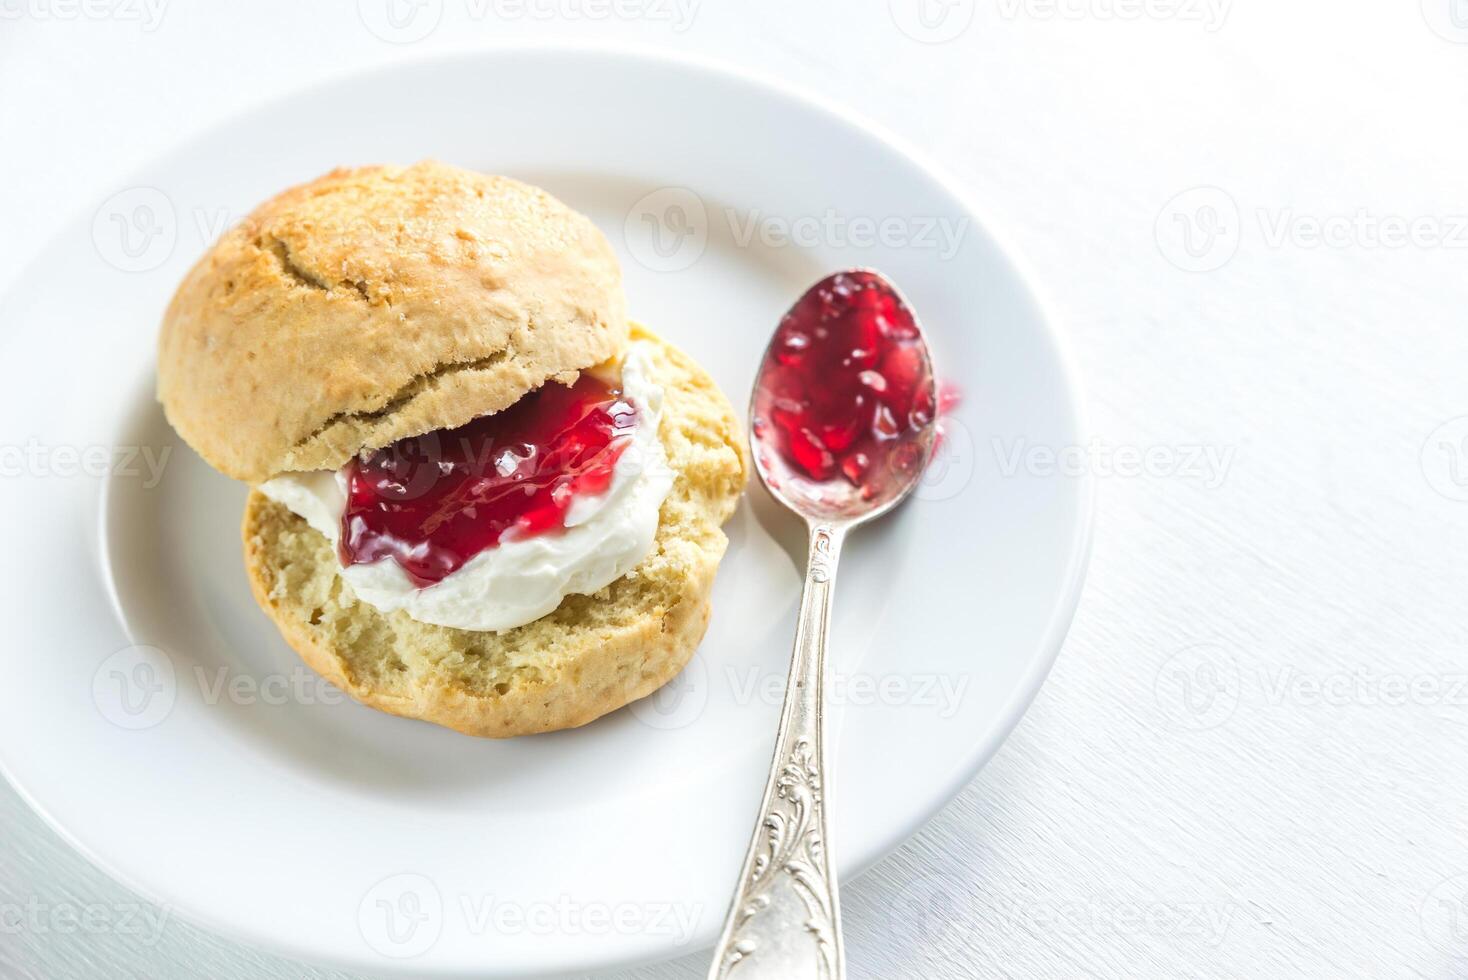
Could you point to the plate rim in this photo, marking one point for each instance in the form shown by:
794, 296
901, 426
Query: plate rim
1049, 643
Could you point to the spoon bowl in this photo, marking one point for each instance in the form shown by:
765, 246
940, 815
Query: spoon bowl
843, 416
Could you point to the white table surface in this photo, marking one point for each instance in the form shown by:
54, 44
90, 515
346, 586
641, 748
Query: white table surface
1307, 813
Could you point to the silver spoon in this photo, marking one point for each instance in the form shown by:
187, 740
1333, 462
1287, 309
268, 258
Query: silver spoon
785, 921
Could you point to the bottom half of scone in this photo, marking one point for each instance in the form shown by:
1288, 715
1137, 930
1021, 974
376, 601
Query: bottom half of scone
593, 654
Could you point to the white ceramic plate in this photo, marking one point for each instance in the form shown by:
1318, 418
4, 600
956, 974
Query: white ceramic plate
157, 720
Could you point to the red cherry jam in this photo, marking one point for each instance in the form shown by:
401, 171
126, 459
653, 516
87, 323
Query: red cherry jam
845, 382
432, 502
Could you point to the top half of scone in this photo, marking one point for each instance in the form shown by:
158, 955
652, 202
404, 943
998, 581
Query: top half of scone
378, 303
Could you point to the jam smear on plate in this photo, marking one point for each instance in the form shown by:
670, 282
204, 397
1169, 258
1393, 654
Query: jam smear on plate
845, 383
432, 502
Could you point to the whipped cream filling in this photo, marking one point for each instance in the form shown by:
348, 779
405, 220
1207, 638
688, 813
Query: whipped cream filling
521, 578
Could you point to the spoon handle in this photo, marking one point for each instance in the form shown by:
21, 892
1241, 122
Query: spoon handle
785, 920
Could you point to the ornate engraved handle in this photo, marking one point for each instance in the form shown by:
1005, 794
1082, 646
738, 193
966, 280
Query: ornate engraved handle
785, 920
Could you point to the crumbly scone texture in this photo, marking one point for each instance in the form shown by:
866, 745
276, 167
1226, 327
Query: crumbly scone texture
378, 303
593, 654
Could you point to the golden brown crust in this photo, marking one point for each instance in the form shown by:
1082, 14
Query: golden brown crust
592, 655
378, 303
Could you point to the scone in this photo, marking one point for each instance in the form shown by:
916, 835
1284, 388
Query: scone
481, 497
